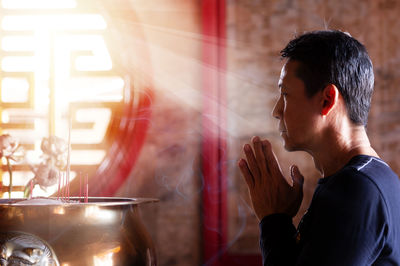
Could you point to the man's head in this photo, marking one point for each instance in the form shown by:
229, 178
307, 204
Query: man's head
334, 57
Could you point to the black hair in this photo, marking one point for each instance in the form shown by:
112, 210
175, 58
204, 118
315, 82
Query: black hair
334, 57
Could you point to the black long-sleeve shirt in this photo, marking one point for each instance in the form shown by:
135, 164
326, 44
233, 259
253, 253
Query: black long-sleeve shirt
353, 219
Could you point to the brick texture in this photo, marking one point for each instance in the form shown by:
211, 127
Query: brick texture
257, 31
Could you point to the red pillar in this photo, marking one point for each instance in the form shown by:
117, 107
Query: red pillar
214, 124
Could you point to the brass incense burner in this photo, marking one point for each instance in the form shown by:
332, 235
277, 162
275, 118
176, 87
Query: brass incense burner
101, 231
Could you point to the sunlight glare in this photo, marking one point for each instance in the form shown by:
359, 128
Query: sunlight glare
17, 43
58, 22
14, 90
51, 62
38, 4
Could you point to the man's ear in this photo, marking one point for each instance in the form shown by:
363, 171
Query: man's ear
330, 96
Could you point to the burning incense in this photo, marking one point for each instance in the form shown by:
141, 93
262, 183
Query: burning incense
63, 186
80, 186
59, 183
86, 188
67, 188
69, 154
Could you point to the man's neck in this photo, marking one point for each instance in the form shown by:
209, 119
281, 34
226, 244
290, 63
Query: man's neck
337, 149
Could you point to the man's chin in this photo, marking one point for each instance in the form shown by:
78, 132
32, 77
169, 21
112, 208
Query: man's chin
289, 146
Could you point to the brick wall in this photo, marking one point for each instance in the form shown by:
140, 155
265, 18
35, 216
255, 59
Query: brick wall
257, 31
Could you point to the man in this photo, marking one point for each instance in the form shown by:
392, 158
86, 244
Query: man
326, 86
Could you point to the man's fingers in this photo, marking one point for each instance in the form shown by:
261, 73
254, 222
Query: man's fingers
260, 158
272, 162
298, 179
251, 161
246, 173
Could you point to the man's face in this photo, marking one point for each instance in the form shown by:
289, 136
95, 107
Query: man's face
297, 113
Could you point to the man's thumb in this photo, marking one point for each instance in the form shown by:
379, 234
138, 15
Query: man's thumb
297, 177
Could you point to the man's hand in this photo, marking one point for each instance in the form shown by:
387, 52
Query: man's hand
269, 191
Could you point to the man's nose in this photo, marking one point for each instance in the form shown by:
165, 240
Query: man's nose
277, 111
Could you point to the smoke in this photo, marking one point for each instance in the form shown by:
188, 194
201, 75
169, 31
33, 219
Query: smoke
243, 209
169, 167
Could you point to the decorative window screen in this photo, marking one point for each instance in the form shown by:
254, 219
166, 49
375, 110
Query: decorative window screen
57, 69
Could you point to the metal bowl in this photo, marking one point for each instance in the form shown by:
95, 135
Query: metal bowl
103, 231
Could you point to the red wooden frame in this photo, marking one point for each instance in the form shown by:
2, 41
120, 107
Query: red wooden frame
214, 147
213, 144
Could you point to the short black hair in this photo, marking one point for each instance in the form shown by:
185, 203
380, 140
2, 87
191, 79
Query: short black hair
334, 57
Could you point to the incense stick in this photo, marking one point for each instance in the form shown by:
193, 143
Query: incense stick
80, 186
69, 152
59, 183
62, 185
87, 188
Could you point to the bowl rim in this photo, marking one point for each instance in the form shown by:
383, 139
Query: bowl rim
79, 201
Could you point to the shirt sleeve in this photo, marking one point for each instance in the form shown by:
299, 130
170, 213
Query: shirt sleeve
277, 240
